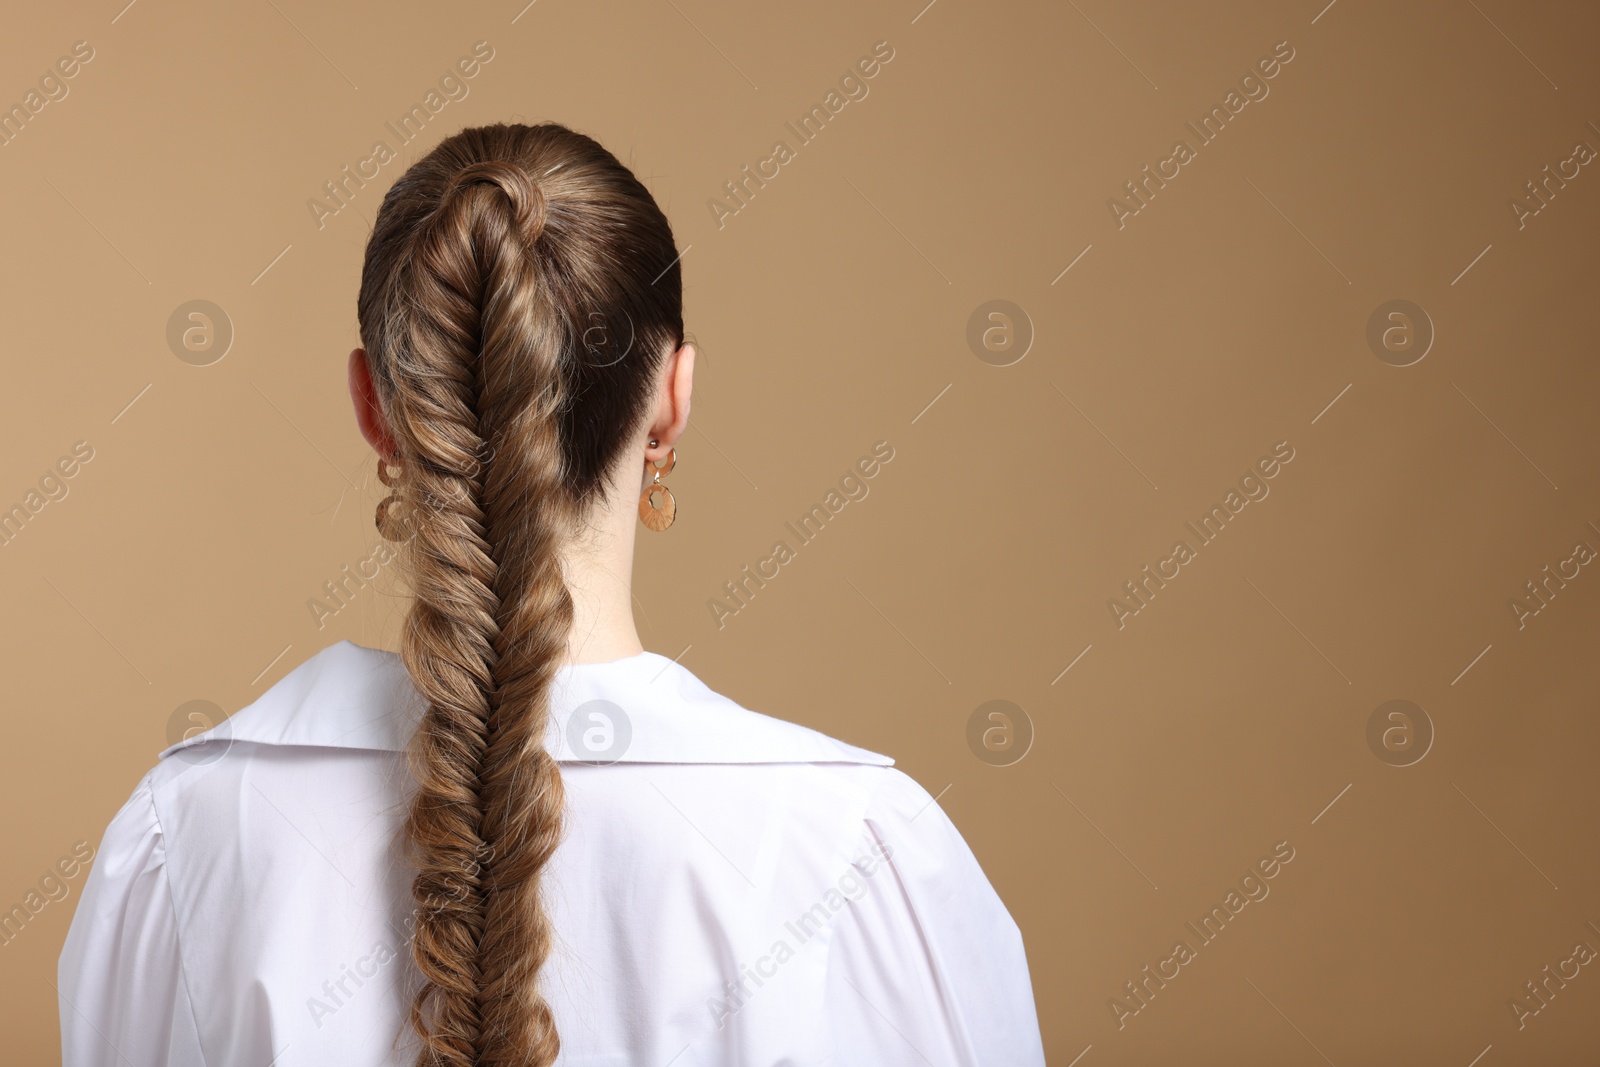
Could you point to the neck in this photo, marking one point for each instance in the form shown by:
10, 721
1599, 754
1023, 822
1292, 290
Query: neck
599, 573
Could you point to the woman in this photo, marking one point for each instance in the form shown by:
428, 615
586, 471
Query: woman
525, 835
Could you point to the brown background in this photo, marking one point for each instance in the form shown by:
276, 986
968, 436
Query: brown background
830, 311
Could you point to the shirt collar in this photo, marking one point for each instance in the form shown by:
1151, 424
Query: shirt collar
644, 708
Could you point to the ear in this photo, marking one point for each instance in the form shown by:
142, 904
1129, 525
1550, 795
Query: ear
369, 413
672, 403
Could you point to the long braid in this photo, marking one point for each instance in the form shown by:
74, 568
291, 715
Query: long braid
473, 300
521, 790
491, 631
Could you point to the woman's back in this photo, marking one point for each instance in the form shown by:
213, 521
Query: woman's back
730, 889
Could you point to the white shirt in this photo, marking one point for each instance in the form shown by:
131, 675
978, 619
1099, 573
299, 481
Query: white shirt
731, 889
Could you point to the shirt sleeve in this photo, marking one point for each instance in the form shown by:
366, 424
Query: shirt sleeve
123, 997
927, 966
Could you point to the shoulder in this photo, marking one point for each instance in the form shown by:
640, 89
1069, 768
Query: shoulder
133, 842
120, 975
919, 839
928, 944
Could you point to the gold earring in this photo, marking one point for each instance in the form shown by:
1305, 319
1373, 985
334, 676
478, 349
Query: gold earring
391, 526
654, 516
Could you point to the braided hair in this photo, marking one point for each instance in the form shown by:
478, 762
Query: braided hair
519, 295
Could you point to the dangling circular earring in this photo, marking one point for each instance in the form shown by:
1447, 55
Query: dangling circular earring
654, 516
391, 526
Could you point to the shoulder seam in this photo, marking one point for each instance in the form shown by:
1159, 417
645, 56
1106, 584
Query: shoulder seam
865, 828
177, 927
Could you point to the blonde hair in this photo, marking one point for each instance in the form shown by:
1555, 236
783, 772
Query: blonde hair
519, 293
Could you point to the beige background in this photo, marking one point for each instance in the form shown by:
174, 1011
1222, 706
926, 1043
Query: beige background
831, 311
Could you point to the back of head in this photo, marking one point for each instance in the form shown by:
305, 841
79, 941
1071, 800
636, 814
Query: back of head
519, 295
